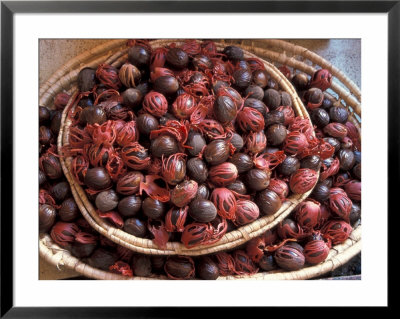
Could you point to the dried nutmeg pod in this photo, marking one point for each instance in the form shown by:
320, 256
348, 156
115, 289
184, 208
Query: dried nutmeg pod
129, 206
141, 265
153, 208
184, 193
216, 152
97, 178
242, 161
268, 202
276, 134
312, 162
197, 169
106, 200
47, 217
174, 168
164, 145
303, 180
129, 183
225, 109
177, 58
207, 269
60, 191
246, 212
135, 227
272, 99
202, 210
289, 258
179, 267
225, 202
338, 114
129, 75
320, 117
86, 79
69, 210
257, 179
223, 174
132, 97
139, 56
196, 142
289, 165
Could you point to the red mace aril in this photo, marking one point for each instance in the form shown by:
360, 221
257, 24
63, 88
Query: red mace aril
243, 263
61, 100
336, 190
191, 47
183, 106
79, 167
129, 183
158, 72
337, 231
289, 257
308, 214
121, 268
246, 212
255, 249
225, 202
353, 190
340, 205
195, 234
115, 166
160, 234
255, 142
295, 143
335, 129
226, 263
135, 156
113, 217
354, 135
280, 187
270, 236
175, 219
108, 75
325, 215
316, 251
321, 79
219, 226
155, 103
153, 190
212, 129
303, 180
155, 166
183, 193
99, 154
158, 58
128, 134
223, 174
64, 233
290, 229
288, 113
78, 138
173, 168
249, 119
103, 134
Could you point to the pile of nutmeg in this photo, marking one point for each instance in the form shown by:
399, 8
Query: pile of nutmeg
186, 143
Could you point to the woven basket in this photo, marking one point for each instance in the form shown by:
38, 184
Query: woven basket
299, 58
146, 246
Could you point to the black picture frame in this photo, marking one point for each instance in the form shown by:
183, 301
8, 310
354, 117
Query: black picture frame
9, 8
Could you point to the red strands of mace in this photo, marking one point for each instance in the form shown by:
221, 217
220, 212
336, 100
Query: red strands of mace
321, 79
157, 229
175, 219
108, 75
121, 268
303, 180
225, 202
337, 231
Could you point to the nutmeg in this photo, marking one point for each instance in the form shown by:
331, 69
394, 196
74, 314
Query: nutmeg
202, 210
268, 202
106, 200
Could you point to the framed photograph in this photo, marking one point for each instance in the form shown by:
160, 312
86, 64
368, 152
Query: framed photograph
44, 48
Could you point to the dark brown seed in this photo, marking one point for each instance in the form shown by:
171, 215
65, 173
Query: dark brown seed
312, 161
338, 114
177, 58
225, 109
272, 99
164, 145
139, 56
202, 210
135, 227
60, 191
68, 211
276, 134
254, 92
97, 178
238, 187
274, 117
197, 169
129, 206
268, 202
86, 79
242, 161
132, 97
47, 217
216, 152
102, 259
256, 104
141, 265
320, 117
203, 192
166, 85
106, 200
207, 269
257, 179
196, 141
347, 159
153, 208
289, 165
179, 267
